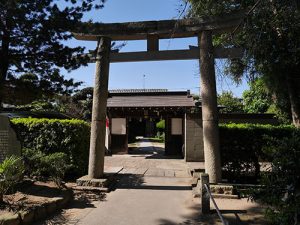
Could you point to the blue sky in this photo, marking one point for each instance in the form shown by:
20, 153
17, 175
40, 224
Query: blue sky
172, 75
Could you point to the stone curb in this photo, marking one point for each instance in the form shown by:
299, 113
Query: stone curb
38, 212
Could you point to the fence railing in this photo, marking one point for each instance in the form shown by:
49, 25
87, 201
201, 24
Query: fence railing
224, 221
206, 196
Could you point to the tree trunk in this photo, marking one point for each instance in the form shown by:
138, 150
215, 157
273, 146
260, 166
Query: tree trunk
3, 75
4, 63
293, 91
2, 81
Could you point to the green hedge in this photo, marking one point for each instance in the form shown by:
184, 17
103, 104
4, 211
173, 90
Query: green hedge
241, 144
241, 148
54, 135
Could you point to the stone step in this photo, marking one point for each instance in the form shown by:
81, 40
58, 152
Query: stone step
222, 189
196, 194
86, 181
197, 174
226, 196
91, 189
195, 181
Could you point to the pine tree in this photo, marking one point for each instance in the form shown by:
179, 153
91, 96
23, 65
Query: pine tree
33, 35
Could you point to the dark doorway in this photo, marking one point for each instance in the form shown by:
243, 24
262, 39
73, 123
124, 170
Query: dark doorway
136, 128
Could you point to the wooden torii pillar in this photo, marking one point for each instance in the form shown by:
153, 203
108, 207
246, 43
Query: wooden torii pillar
152, 31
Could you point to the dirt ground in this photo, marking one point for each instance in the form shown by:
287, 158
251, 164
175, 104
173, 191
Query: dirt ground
82, 204
28, 195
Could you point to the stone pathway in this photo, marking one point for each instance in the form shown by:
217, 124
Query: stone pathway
147, 159
152, 189
144, 200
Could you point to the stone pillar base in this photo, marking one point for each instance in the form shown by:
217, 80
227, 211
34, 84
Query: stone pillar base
92, 182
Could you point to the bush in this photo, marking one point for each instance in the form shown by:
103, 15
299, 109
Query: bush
281, 185
33, 163
53, 135
11, 171
241, 148
57, 166
161, 125
38, 164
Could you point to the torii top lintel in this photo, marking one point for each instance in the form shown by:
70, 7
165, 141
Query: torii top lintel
162, 29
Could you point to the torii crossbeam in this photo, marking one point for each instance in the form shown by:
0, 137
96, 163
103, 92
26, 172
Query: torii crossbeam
152, 31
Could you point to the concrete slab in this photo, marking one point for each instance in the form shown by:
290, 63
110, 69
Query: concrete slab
155, 201
169, 173
141, 171
128, 171
153, 172
181, 173
112, 169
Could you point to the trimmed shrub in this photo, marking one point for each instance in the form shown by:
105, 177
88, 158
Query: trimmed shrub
241, 148
53, 135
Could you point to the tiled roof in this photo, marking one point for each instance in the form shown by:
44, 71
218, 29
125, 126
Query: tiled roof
167, 99
137, 90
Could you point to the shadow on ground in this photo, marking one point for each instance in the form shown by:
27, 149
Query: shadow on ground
82, 200
128, 181
233, 217
39, 189
153, 150
150, 152
133, 181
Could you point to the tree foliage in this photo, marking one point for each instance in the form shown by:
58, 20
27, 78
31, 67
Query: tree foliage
33, 33
41, 165
81, 104
161, 125
257, 99
11, 172
45, 88
231, 103
269, 33
281, 184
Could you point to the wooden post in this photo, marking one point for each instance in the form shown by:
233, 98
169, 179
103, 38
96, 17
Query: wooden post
98, 124
209, 108
205, 201
152, 42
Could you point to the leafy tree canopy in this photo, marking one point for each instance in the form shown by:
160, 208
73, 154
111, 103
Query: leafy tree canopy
81, 104
231, 103
280, 185
257, 99
29, 87
161, 125
269, 33
33, 33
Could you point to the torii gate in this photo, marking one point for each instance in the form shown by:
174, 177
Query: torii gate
152, 31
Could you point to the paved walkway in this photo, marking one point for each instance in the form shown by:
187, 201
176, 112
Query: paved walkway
145, 201
148, 159
152, 189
